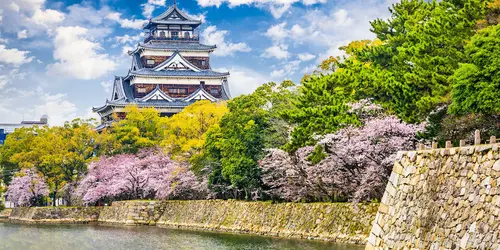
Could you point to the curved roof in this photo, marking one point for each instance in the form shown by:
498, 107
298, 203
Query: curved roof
174, 46
172, 15
177, 73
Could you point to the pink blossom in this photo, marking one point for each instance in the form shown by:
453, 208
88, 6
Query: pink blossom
357, 164
27, 189
149, 174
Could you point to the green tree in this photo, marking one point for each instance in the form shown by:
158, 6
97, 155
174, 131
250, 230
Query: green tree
423, 44
59, 153
476, 84
138, 130
184, 133
233, 148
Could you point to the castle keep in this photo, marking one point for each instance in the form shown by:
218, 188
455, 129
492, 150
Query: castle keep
170, 70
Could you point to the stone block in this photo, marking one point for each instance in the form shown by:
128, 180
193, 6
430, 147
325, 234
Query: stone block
383, 208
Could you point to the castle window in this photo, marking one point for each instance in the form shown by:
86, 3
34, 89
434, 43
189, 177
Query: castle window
177, 91
141, 90
186, 34
203, 63
175, 34
162, 33
150, 62
202, 82
214, 91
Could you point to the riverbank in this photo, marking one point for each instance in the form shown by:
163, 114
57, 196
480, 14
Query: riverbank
336, 222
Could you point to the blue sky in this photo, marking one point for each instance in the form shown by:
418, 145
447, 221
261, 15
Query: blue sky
59, 57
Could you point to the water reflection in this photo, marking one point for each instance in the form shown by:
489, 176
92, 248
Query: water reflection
31, 236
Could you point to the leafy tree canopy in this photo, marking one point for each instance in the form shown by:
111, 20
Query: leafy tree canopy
233, 148
476, 84
184, 133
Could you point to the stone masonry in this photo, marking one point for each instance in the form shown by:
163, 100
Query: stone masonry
441, 199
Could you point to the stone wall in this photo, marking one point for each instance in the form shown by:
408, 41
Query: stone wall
339, 222
4, 214
441, 199
55, 214
133, 212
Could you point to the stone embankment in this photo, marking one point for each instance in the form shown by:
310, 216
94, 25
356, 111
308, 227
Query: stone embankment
4, 214
441, 199
338, 222
55, 214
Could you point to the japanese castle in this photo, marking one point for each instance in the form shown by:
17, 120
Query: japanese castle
170, 70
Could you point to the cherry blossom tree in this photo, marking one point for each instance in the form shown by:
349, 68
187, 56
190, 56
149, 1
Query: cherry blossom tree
147, 174
355, 165
28, 188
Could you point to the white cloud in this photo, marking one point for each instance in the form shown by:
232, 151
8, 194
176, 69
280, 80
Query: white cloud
289, 68
126, 23
3, 81
56, 106
309, 69
29, 5
157, 2
218, 37
107, 85
77, 56
277, 32
23, 34
276, 7
147, 10
13, 6
47, 17
14, 56
276, 51
13, 75
341, 18
202, 17
306, 57
127, 39
244, 80
326, 29
275, 74
150, 6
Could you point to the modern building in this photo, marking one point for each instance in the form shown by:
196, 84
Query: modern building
7, 128
170, 70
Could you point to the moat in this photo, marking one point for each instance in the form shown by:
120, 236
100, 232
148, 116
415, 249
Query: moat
36, 236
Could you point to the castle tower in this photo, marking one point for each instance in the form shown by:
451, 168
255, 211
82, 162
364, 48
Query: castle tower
170, 70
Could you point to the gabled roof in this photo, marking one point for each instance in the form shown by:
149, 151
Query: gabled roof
156, 94
200, 94
176, 62
226, 95
173, 46
118, 91
172, 15
158, 98
136, 62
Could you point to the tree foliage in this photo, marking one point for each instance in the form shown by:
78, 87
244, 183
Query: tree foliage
137, 131
184, 133
60, 154
232, 148
476, 84
147, 174
356, 164
28, 188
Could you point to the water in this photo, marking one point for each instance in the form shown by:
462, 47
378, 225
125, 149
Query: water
33, 236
